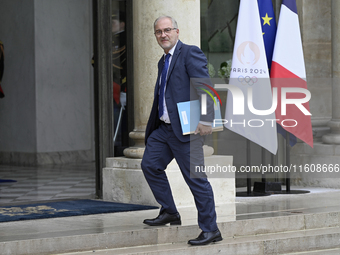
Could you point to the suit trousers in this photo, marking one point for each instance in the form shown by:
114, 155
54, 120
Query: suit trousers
162, 146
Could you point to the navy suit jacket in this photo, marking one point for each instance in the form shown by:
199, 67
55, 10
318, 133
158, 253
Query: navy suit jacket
187, 62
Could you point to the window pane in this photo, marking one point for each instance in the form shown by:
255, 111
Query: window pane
218, 28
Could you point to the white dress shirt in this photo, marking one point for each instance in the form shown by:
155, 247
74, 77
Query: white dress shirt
165, 117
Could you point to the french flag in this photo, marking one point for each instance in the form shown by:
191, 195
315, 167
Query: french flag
288, 71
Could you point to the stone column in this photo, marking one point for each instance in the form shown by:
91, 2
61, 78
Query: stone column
334, 124
147, 52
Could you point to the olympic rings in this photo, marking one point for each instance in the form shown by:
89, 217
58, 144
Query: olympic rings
247, 80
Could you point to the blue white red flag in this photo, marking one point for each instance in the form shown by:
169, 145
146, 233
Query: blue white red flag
288, 72
268, 22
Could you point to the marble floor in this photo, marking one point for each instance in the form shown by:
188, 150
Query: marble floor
61, 182
44, 183
317, 201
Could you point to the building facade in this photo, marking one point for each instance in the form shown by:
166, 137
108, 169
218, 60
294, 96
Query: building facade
59, 108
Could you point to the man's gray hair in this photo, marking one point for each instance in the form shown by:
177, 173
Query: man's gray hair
173, 21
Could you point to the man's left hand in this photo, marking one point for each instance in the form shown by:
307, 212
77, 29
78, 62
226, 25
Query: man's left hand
203, 129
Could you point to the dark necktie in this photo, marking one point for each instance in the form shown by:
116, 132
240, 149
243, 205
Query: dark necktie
163, 81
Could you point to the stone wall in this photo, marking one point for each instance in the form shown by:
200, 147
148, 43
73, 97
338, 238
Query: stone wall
47, 114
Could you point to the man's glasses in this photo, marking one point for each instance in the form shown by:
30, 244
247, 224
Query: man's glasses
166, 31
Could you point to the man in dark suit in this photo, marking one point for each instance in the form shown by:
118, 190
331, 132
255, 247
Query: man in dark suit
180, 71
119, 73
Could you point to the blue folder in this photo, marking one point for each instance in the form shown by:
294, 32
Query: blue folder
190, 113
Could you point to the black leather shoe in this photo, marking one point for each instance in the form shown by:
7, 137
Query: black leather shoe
164, 218
206, 238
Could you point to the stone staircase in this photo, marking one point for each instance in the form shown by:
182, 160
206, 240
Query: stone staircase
286, 234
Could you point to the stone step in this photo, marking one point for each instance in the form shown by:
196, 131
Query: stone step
317, 252
267, 244
259, 231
